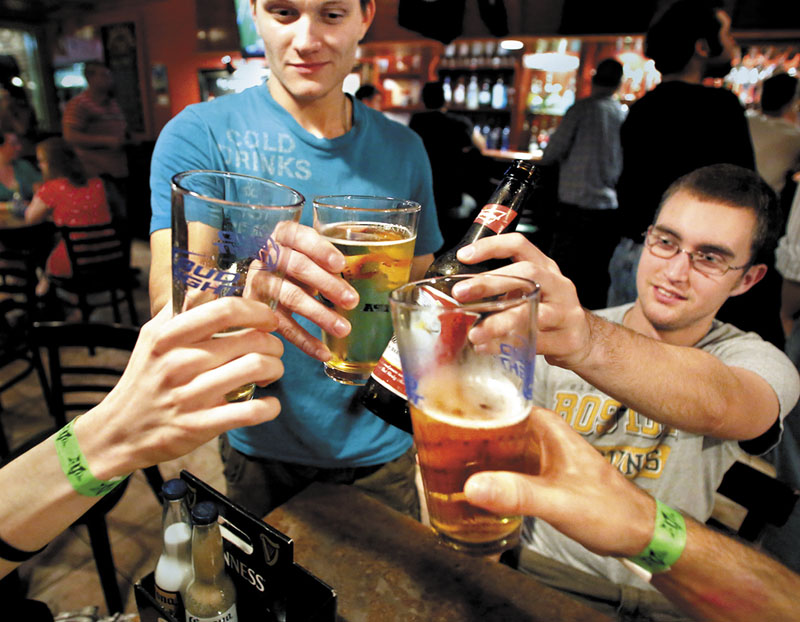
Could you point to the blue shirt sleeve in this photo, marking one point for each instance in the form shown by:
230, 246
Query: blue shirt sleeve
180, 147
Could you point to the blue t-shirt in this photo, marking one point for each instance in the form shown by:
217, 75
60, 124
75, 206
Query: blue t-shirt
321, 424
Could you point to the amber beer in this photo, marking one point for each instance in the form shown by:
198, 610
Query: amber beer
378, 257
469, 425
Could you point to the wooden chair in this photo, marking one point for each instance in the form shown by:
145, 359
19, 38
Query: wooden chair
78, 384
101, 265
767, 500
22, 251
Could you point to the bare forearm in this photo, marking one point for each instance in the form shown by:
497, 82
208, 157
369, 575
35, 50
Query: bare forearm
39, 502
681, 387
717, 578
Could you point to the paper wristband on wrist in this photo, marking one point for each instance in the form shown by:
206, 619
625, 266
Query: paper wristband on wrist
75, 467
669, 539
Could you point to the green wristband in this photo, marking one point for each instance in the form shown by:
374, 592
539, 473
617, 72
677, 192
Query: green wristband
669, 539
75, 467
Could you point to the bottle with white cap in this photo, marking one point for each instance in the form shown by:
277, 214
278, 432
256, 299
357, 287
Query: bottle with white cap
174, 568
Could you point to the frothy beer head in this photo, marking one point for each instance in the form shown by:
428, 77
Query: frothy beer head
472, 401
361, 233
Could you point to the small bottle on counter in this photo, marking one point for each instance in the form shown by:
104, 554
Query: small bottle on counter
211, 596
174, 568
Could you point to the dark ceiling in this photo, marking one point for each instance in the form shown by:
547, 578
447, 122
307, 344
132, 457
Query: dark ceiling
42, 10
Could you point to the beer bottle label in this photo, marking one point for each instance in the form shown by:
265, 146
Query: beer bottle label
388, 372
496, 217
168, 601
227, 616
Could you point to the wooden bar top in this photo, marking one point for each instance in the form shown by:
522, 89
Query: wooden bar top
386, 567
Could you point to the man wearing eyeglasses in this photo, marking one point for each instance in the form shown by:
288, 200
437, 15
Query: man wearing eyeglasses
659, 386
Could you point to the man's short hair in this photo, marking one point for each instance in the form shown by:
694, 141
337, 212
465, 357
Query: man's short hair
363, 4
736, 186
433, 95
671, 38
608, 73
778, 91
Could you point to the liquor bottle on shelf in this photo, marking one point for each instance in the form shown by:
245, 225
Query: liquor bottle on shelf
447, 90
384, 393
211, 596
472, 93
505, 138
495, 138
174, 567
485, 94
499, 98
460, 92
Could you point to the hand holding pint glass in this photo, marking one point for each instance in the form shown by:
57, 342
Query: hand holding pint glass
231, 236
469, 402
376, 235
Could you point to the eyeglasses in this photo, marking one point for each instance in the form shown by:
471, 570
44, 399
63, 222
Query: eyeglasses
665, 246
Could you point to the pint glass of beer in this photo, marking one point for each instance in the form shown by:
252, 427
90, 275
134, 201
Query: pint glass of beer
231, 236
468, 371
377, 237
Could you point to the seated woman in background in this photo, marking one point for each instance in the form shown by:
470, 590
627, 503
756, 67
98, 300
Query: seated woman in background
17, 176
68, 197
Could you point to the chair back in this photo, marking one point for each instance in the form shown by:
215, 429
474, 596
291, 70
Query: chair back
22, 251
97, 249
767, 500
78, 384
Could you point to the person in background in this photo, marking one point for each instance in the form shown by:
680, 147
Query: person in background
661, 387
67, 197
302, 130
95, 126
784, 542
776, 133
578, 492
169, 401
586, 147
17, 116
370, 96
665, 136
17, 176
460, 178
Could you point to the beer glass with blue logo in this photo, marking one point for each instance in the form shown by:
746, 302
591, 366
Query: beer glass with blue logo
231, 236
467, 344
376, 235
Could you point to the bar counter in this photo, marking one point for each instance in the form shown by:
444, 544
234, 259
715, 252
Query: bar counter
386, 567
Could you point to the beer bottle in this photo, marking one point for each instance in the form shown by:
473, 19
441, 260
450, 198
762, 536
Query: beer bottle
174, 568
384, 393
211, 595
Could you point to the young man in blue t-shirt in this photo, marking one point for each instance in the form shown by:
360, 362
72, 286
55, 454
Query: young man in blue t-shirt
300, 129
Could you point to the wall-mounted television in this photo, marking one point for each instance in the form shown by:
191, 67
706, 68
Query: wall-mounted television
251, 43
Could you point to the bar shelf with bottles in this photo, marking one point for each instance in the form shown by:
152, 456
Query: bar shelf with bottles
479, 82
399, 70
517, 98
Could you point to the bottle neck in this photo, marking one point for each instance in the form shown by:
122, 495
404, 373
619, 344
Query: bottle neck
175, 511
208, 561
501, 212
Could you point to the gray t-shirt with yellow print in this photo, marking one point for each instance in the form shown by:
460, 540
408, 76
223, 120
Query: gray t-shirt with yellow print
682, 469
